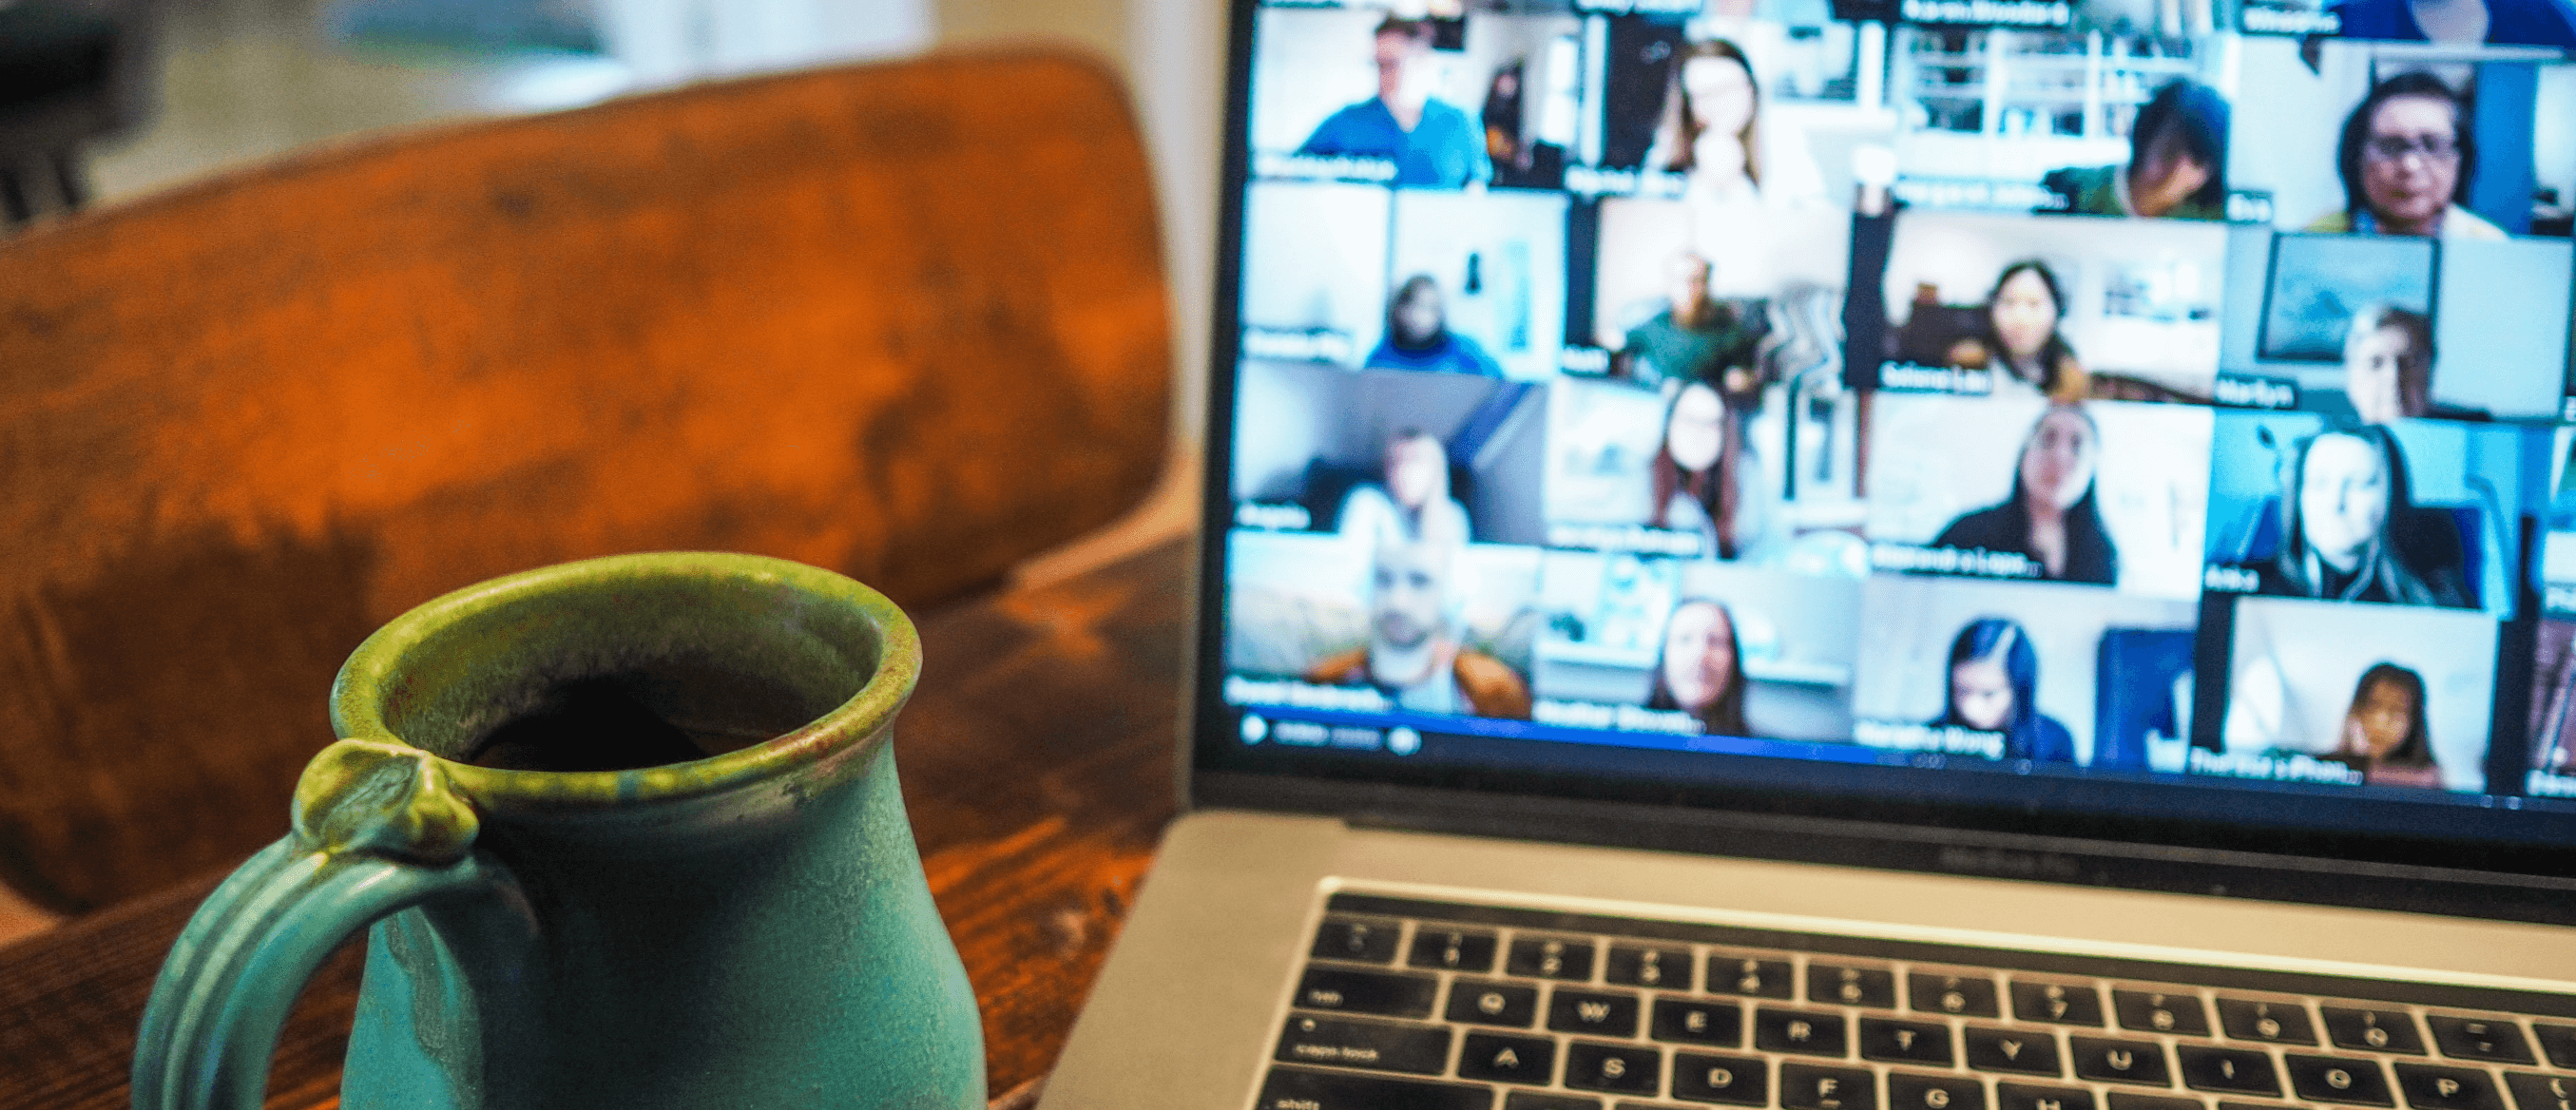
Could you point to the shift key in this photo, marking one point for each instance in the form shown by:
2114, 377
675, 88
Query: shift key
1304, 1089
1377, 1045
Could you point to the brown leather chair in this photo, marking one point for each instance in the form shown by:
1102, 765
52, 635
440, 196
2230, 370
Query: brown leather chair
904, 321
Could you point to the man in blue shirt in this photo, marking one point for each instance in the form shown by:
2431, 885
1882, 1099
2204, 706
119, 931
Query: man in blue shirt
1431, 143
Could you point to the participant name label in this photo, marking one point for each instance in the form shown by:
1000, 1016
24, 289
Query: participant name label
2290, 21
2011, 13
2008, 196
2230, 580
1276, 517
1952, 739
2560, 598
1299, 346
2278, 768
1641, 7
1935, 379
1635, 538
1583, 360
1595, 182
1303, 695
1953, 560
2542, 784
1625, 718
1319, 167
2255, 393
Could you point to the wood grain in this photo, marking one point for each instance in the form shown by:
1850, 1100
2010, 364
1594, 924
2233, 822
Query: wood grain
903, 321
1037, 768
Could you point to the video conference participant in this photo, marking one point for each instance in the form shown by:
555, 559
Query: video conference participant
2022, 344
2459, 22
2052, 516
2388, 365
1413, 503
1706, 482
1431, 143
1418, 336
1413, 655
2177, 162
2405, 159
1994, 684
2384, 731
1712, 132
2350, 530
1700, 669
1696, 338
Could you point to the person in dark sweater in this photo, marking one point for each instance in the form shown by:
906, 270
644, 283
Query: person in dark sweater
2350, 530
2052, 517
1994, 687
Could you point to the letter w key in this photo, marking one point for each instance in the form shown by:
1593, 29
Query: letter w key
1598, 1013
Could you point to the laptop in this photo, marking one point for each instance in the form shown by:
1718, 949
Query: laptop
1877, 555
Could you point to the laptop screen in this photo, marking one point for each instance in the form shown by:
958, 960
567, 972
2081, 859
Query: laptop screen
2100, 408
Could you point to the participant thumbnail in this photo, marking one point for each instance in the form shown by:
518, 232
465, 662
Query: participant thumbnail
2551, 770
2104, 493
1482, 272
2460, 144
1758, 111
1323, 449
2068, 309
1675, 298
1363, 94
1423, 625
2318, 692
2066, 122
1693, 647
2416, 512
1684, 472
2380, 328
2009, 670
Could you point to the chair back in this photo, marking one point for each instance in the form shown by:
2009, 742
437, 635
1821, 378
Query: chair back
903, 321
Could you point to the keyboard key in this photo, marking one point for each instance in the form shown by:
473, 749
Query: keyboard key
2062, 1003
2109, 1061
1808, 1087
1962, 995
1302, 1089
2152, 1012
2497, 1040
2559, 1041
1504, 1059
2025, 1051
1664, 968
2251, 1019
1366, 992
1716, 1024
2430, 1087
2124, 1100
1616, 1068
2235, 1071
1532, 1100
1551, 958
2232, 1104
2371, 1030
1851, 986
1911, 1042
1453, 950
1750, 976
1806, 1032
2327, 1079
1486, 1002
1353, 938
2541, 1092
2024, 1096
1735, 1080
1907, 1091
1601, 1015
1352, 1043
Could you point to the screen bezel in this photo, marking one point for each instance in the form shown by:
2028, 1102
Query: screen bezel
2472, 869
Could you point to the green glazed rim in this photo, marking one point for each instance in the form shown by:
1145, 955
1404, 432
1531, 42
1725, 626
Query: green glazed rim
501, 624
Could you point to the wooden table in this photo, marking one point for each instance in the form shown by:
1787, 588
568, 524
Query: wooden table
1036, 760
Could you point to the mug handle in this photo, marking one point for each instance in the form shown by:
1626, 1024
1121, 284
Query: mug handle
378, 829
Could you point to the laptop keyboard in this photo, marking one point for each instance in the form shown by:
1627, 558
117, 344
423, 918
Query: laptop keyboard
1406, 1004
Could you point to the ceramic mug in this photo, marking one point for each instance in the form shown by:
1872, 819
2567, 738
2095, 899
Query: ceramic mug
624, 832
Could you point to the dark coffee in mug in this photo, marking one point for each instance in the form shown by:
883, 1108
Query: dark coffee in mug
647, 715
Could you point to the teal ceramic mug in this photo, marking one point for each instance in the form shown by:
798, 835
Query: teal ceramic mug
625, 832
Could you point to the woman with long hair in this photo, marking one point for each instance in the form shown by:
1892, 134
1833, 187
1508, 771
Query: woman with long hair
2021, 344
1700, 669
2350, 530
2053, 516
1703, 481
1994, 687
2384, 732
1711, 130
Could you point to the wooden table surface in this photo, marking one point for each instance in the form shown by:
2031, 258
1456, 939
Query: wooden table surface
1036, 760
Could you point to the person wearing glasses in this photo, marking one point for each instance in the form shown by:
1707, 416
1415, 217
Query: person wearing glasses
2405, 160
